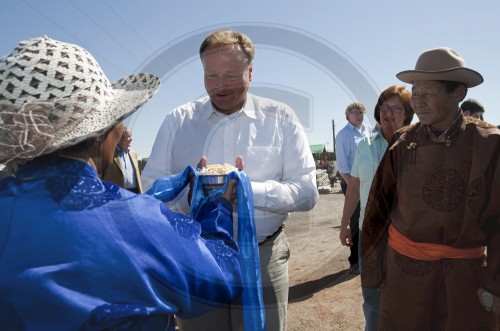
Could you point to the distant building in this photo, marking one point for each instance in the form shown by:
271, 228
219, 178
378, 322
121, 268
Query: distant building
325, 161
320, 154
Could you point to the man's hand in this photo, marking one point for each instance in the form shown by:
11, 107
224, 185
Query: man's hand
231, 192
345, 236
202, 164
231, 197
239, 162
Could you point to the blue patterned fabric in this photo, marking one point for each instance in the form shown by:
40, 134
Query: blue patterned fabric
167, 188
78, 253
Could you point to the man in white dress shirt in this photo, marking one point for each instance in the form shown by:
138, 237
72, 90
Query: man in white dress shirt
230, 122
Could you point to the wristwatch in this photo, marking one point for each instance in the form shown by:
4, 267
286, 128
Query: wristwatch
489, 301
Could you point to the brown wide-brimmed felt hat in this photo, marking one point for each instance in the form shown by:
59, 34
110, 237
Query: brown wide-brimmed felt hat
54, 95
441, 64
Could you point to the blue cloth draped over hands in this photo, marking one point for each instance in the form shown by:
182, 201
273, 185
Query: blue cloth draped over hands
167, 188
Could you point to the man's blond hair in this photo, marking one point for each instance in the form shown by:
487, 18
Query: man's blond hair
227, 38
354, 105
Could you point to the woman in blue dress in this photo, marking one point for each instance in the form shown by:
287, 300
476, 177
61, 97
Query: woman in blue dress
78, 253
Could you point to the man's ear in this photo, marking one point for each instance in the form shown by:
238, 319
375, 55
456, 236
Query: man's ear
250, 72
459, 93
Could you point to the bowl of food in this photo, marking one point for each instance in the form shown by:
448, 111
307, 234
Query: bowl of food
213, 176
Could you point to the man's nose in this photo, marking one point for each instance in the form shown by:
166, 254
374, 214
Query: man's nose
221, 83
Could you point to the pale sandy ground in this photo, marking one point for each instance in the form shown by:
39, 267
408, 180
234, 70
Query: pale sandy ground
324, 292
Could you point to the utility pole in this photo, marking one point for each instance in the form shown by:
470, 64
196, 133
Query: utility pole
334, 149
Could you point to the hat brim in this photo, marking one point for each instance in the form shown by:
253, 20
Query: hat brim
131, 93
467, 76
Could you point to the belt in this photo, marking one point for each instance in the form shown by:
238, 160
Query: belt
273, 236
429, 251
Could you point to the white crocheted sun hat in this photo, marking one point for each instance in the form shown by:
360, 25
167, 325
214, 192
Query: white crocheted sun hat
54, 95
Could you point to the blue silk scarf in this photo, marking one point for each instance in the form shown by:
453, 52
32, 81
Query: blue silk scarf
167, 188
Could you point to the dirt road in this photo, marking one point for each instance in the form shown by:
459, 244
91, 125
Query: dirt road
324, 292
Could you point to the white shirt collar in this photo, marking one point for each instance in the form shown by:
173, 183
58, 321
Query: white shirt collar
248, 108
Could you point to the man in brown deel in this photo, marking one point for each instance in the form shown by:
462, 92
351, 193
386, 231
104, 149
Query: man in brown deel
431, 235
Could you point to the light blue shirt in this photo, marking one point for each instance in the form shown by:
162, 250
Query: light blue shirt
129, 177
346, 144
370, 152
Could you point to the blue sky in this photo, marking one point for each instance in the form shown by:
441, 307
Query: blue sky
344, 50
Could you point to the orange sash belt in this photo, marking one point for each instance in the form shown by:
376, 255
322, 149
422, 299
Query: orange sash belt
429, 251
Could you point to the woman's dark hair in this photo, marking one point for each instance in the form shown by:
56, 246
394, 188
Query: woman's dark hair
83, 145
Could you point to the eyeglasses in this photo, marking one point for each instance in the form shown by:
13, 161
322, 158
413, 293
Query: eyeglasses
393, 109
356, 112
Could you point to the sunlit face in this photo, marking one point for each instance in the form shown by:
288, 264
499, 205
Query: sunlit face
435, 106
355, 116
392, 115
227, 78
126, 140
107, 147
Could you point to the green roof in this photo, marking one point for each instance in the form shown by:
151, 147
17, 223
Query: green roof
317, 148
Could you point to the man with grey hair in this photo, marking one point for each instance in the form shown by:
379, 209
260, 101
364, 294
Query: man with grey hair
231, 122
124, 171
346, 144
431, 232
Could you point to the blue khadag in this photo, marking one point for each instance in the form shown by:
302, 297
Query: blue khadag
167, 188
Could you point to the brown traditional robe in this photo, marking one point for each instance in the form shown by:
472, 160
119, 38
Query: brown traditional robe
442, 190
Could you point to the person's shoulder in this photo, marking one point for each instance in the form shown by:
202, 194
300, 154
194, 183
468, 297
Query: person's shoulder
402, 134
274, 108
271, 105
474, 123
346, 129
151, 209
368, 140
190, 108
374, 135
126, 198
132, 152
267, 102
407, 129
484, 132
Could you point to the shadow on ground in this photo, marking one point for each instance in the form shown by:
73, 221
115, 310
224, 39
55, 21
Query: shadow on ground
304, 291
